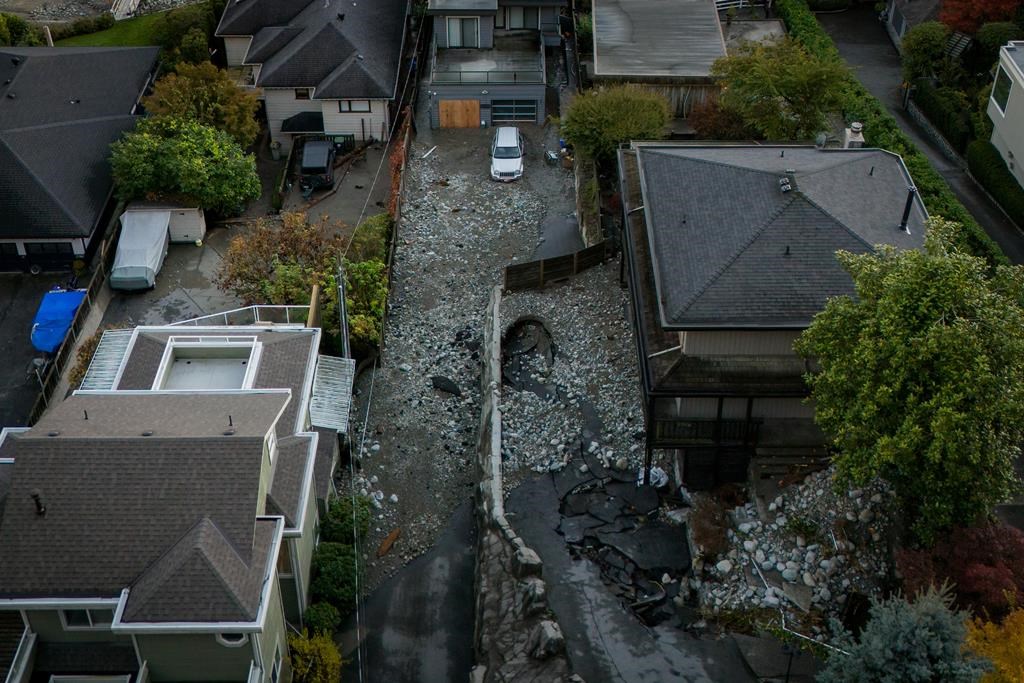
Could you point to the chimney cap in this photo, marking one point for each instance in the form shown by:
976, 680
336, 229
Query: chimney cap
857, 127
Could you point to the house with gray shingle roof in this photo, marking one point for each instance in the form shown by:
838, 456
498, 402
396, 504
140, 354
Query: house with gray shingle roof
321, 68
159, 524
729, 254
59, 111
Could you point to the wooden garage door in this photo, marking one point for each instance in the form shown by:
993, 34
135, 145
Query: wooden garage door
460, 113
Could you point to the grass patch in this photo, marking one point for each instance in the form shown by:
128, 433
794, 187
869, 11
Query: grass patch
134, 32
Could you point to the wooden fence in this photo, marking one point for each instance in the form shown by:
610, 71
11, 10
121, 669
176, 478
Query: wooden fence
50, 378
536, 274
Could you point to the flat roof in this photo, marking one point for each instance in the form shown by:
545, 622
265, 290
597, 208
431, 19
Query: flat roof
656, 38
1015, 51
511, 52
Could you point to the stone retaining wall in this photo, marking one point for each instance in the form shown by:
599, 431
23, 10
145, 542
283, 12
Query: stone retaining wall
933, 134
516, 638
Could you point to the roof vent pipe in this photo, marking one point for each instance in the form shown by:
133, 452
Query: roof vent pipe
911, 191
38, 500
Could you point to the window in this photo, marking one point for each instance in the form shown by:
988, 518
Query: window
499, 18
353, 105
275, 672
86, 619
8, 249
523, 17
302, 93
48, 248
1001, 90
463, 32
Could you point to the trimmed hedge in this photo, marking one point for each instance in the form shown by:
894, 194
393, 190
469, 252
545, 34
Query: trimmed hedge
945, 113
882, 131
988, 168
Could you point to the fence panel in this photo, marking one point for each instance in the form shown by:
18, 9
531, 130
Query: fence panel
536, 274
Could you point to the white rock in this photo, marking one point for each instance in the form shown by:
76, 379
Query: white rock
393, 497
405, 367
725, 566
810, 557
759, 556
808, 580
825, 594
790, 575
781, 520
749, 546
745, 527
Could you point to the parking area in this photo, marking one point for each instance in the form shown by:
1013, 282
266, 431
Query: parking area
20, 295
184, 288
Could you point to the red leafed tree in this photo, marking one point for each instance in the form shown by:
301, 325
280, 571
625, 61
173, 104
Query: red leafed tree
969, 15
985, 564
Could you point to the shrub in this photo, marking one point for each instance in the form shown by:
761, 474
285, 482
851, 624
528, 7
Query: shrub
993, 36
881, 130
712, 121
340, 525
947, 110
1002, 644
322, 617
599, 120
83, 26
314, 659
366, 297
985, 564
17, 32
828, 5
371, 239
981, 124
195, 47
922, 48
585, 33
988, 168
336, 570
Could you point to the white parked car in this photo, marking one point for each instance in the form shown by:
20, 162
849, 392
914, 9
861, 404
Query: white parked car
507, 152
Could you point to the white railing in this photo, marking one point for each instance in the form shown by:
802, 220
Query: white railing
260, 314
19, 670
739, 4
143, 675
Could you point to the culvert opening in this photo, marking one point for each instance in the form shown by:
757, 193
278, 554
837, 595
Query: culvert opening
527, 358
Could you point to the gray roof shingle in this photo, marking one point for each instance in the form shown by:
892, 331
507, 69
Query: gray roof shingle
346, 50
285, 497
59, 112
729, 248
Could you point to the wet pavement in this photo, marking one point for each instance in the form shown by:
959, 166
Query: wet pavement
20, 295
865, 45
604, 640
418, 626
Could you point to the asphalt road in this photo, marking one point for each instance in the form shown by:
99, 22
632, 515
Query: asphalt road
865, 45
20, 295
418, 626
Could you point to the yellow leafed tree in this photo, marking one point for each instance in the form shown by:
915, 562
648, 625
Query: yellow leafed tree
1003, 644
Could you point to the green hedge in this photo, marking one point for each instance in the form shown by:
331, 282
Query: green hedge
828, 5
882, 131
988, 168
945, 112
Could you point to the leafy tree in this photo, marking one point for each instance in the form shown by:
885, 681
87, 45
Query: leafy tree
968, 15
322, 618
342, 524
922, 48
207, 95
336, 571
1001, 643
314, 658
175, 157
599, 120
921, 378
780, 89
17, 32
195, 47
918, 642
712, 121
984, 564
371, 240
994, 35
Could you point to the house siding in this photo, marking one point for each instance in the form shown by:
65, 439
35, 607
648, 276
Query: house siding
274, 634
363, 125
235, 48
739, 343
193, 657
304, 547
46, 624
280, 105
487, 32
441, 32
1008, 126
532, 91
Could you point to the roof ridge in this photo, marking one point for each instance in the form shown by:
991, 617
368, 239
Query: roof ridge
339, 70
832, 217
710, 162
736, 254
235, 598
39, 183
72, 122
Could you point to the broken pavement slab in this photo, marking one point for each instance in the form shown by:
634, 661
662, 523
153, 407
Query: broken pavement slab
574, 529
770, 659
655, 546
643, 499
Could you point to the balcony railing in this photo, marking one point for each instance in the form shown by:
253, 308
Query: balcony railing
253, 315
21, 666
674, 432
487, 77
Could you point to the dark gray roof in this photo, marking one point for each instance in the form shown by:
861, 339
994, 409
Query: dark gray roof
730, 249
326, 457
304, 122
649, 38
308, 44
114, 506
442, 7
173, 414
59, 112
285, 497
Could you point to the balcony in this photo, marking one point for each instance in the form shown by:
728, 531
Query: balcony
244, 76
296, 316
516, 58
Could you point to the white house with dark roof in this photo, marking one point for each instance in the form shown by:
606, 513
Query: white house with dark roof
159, 524
1006, 107
60, 110
321, 68
729, 254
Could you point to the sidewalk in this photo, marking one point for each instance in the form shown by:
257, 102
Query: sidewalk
864, 44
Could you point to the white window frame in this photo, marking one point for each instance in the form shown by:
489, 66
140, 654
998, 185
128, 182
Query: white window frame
350, 106
460, 19
208, 342
275, 669
1009, 91
88, 611
308, 91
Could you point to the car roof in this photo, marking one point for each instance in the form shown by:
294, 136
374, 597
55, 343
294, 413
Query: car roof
315, 153
507, 136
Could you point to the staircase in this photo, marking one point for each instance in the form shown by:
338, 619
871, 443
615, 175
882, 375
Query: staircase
957, 43
11, 630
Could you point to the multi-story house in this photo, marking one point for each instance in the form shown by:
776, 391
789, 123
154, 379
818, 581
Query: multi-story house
1006, 107
159, 524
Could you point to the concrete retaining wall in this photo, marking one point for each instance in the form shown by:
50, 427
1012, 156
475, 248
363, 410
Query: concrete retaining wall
934, 135
515, 638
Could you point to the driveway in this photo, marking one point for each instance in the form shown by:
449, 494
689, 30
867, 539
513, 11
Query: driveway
19, 298
865, 45
184, 287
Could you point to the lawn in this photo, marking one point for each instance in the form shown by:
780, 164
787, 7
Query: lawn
126, 33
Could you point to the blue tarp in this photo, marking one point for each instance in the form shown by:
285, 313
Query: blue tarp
54, 317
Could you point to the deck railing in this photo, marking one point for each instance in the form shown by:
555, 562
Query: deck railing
253, 315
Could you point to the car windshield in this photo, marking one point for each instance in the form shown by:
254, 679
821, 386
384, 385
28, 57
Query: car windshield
313, 170
506, 153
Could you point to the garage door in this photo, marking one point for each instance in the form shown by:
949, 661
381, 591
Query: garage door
513, 110
460, 113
